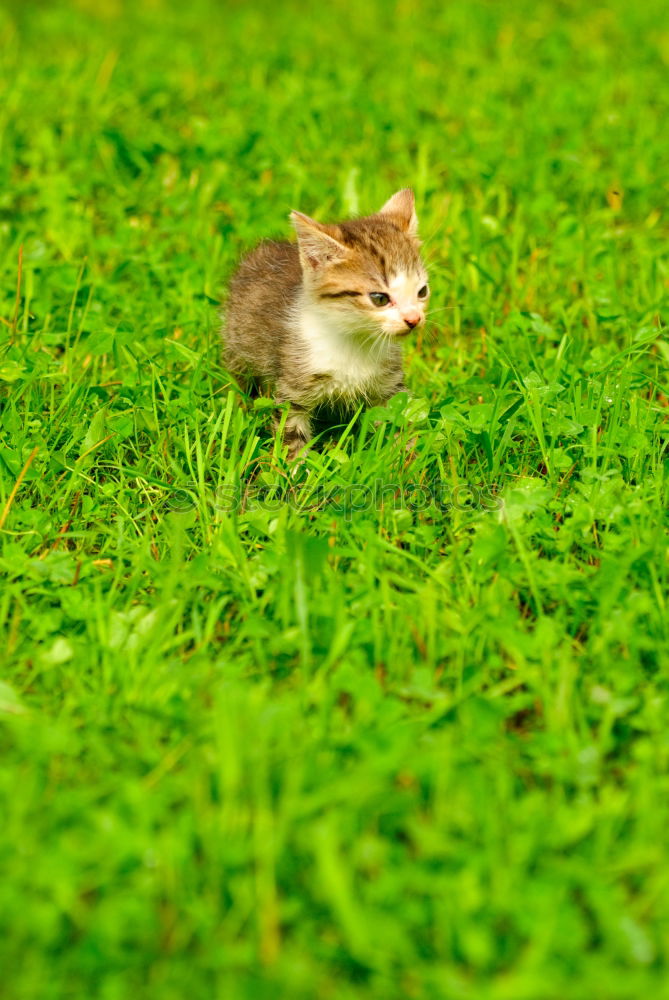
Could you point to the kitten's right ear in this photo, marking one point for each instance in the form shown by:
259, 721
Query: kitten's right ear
317, 247
402, 206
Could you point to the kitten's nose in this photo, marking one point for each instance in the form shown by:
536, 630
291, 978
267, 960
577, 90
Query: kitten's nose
411, 318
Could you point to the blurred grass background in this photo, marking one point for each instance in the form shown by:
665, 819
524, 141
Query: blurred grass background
413, 751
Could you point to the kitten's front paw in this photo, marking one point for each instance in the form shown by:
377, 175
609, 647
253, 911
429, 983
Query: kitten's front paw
296, 453
297, 460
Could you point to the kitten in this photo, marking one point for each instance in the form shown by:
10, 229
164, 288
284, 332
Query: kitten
318, 323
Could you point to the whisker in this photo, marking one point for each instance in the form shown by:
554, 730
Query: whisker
431, 312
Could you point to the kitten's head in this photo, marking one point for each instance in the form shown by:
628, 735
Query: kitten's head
367, 271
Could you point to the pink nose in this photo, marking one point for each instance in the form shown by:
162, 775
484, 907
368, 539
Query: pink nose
411, 318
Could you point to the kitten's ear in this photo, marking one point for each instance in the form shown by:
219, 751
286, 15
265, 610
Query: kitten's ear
317, 247
402, 207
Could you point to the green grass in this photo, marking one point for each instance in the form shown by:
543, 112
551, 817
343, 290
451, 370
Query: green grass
307, 744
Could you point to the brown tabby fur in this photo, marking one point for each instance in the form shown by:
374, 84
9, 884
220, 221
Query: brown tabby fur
300, 322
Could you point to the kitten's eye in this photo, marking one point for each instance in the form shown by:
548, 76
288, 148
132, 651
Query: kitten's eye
379, 298
422, 292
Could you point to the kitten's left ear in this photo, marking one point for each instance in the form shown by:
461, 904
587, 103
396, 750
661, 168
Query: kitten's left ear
402, 207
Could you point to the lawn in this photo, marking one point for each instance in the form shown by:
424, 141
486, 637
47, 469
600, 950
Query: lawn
394, 725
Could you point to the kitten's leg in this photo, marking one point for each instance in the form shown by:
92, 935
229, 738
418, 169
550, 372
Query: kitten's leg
398, 385
244, 383
392, 382
297, 429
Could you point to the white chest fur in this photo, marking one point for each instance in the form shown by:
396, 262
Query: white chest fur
351, 361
